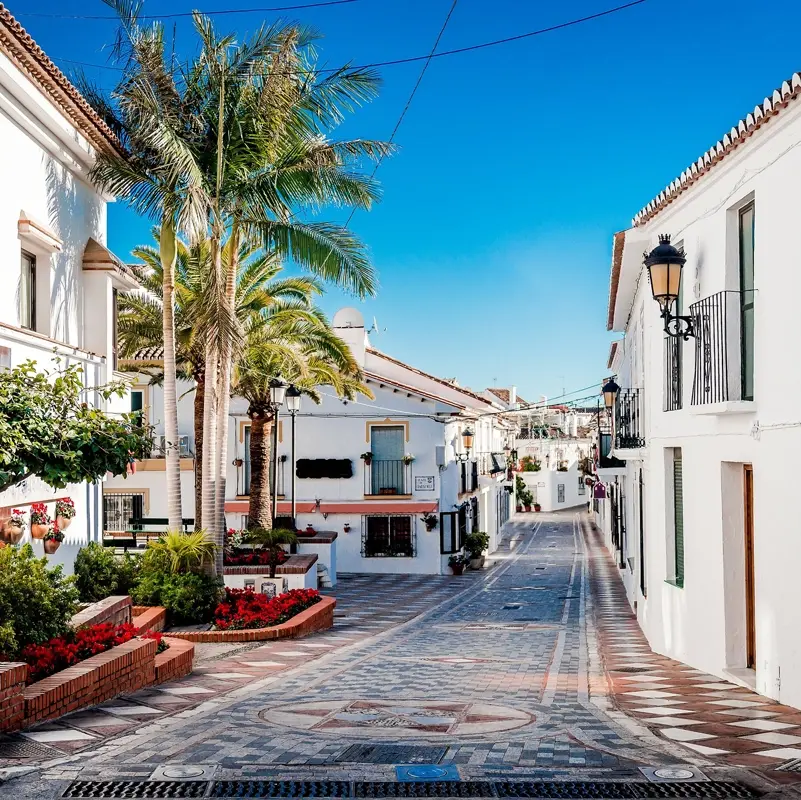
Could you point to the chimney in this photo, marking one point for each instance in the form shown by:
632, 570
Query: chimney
348, 324
513, 396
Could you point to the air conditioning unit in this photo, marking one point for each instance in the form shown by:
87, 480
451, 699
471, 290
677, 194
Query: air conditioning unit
160, 445
183, 444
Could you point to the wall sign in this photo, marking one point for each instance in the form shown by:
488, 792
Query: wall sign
424, 483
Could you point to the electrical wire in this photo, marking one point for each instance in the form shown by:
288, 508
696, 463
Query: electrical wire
321, 4
412, 59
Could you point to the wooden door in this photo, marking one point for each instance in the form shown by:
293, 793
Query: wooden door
750, 616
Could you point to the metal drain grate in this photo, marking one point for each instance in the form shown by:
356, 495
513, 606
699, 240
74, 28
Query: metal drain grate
793, 765
391, 754
20, 747
630, 669
146, 789
423, 789
566, 790
280, 789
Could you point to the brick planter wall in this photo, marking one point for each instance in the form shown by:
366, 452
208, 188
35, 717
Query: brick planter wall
12, 701
175, 662
294, 565
115, 609
319, 617
149, 618
124, 668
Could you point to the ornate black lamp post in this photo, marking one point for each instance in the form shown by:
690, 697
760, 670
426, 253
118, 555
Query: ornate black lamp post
278, 389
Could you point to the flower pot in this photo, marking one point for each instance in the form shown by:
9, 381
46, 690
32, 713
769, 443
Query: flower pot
457, 569
13, 533
38, 530
538, 507
519, 509
528, 508
63, 522
477, 563
309, 531
51, 545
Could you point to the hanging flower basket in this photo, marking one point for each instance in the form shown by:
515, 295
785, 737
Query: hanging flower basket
40, 521
14, 529
367, 457
65, 511
408, 459
53, 539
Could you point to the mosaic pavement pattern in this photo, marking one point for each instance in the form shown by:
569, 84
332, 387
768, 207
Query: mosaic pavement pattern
706, 715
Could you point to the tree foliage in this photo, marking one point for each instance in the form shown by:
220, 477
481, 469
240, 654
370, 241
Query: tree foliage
49, 428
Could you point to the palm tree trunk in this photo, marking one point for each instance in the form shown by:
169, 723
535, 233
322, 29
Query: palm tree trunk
259, 511
208, 502
168, 252
200, 394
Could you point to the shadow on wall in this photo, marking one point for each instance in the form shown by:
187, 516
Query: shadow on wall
76, 213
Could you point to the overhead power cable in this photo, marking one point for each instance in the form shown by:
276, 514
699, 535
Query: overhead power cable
430, 56
213, 13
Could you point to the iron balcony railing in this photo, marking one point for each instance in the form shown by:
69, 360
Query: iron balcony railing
629, 428
387, 478
719, 362
672, 400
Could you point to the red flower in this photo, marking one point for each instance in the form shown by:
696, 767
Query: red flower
245, 609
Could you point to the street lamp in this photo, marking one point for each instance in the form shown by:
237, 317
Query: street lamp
664, 264
609, 391
278, 387
467, 441
293, 406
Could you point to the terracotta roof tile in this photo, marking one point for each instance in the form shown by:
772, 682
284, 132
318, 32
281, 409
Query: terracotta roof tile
618, 241
746, 127
34, 63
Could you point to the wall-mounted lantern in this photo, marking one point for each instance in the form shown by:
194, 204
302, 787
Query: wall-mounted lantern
664, 264
609, 391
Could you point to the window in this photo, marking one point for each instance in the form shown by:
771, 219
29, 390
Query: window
27, 292
560, 493
474, 514
447, 533
387, 536
120, 509
461, 515
138, 405
678, 519
746, 235
582, 487
114, 323
641, 509
387, 470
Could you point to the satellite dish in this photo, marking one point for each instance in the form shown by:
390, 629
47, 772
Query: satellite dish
375, 328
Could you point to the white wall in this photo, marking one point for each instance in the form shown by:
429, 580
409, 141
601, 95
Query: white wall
701, 623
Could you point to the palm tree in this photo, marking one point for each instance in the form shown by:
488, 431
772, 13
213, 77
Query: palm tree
156, 171
259, 287
271, 541
304, 351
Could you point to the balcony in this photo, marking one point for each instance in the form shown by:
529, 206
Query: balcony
629, 423
723, 368
382, 478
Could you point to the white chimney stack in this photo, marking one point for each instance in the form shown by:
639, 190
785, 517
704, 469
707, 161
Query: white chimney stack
513, 395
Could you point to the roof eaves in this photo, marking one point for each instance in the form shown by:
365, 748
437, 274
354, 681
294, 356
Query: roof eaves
410, 389
612, 352
34, 63
745, 128
430, 377
618, 242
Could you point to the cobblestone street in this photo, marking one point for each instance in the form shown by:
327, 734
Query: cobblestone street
495, 674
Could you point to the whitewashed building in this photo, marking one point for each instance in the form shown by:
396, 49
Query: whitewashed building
413, 429
58, 281
700, 508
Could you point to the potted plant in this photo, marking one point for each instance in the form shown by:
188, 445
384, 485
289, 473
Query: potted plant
65, 511
367, 458
457, 563
537, 507
271, 541
53, 539
346, 527
475, 544
430, 520
40, 521
310, 530
407, 459
238, 462
14, 528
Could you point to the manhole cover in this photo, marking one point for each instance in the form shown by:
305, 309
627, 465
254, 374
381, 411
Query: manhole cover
20, 747
673, 774
390, 754
631, 669
427, 772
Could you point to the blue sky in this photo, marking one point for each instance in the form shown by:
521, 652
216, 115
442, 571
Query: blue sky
517, 163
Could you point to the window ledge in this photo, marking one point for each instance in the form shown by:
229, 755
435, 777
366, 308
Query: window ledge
387, 497
728, 408
674, 584
629, 454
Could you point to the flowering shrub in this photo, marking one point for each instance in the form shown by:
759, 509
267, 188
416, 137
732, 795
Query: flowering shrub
65, 508
46, 659
54, 534
243, 557
244, 608
39, 515
161, 643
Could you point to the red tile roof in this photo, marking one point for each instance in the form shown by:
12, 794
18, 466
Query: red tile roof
34, 63
740, 133
618, 240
